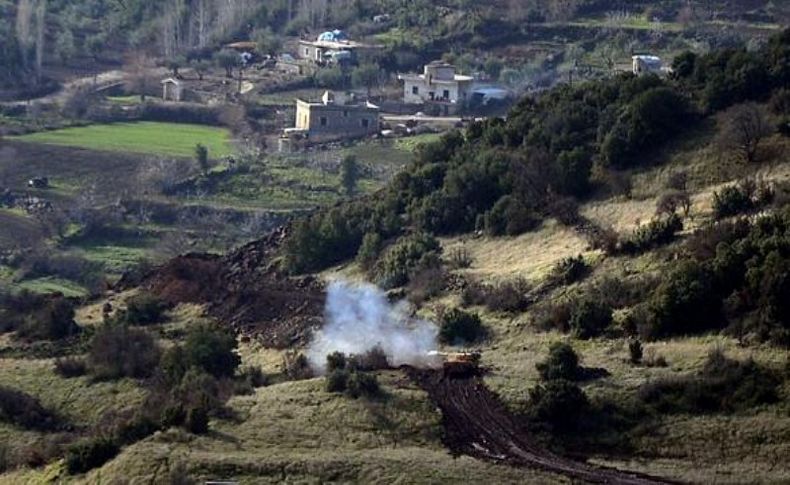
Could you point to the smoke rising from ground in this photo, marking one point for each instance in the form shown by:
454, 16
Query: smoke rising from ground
359, 317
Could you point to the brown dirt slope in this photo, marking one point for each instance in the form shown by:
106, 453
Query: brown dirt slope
477, 424
242, 289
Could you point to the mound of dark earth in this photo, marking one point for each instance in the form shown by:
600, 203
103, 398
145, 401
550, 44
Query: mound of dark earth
244, 290
476, 423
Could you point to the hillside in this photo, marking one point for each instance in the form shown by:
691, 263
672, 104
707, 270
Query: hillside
591, 289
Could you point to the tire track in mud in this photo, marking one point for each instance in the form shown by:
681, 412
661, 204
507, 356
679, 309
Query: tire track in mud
477, 424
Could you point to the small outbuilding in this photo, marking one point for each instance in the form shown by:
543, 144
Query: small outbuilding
172, 89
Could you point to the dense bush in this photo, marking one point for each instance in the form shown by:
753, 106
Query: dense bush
589, 317
657, 232
569, 270
90, 453
417, 250
144, 309
559, 403
346, 375
118, 351
743, 197
561, 363
53, 320
458, 326
25, 411
212, 349
506, 296
70, 367
723, 385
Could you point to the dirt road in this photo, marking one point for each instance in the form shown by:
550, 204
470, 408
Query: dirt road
476, 423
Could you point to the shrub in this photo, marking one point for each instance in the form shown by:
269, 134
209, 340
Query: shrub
569, 270
589, 317
117, 351
144, 309
362, 384
196, 420
559, 403
212, 349
25, 411
53, 321
723, 385
635, 351
335, 361
337, 381
459, 258
685, 303
509, 216
369, 250
296, 366
561, 363
90, 453
460, 326
508, 296
252, 378
425, 284
373, 359
731, 201
658, 232
743, 197
408, 253
70, 367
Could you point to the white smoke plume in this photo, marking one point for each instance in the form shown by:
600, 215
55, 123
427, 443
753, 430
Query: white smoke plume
359, 317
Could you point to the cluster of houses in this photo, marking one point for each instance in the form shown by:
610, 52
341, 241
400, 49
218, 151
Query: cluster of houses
439, 90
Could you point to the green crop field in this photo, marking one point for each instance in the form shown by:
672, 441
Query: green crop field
170, 139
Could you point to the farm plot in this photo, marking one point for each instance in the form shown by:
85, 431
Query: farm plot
153, 138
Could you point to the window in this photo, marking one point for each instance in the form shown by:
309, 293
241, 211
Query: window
306, 51
415, 90
446, 94
365, 123
323, 121
432, 95
345, 113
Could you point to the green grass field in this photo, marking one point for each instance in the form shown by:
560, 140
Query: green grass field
170, 139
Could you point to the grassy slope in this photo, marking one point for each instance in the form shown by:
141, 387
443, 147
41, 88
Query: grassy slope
167, 139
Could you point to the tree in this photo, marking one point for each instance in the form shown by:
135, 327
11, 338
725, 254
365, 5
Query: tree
743, 128
201, 157
175, 63
227, 59
266, 41
367, 76
201, 67
212, 349
349, 174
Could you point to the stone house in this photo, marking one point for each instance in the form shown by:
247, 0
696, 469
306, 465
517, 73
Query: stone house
335, 117
439, 84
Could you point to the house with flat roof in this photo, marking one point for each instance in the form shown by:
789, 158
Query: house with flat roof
439, 84
643, 64
333, 47
336, 117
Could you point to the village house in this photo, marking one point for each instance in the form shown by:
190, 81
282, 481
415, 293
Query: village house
335, 117
333, 47
643, 64
438, 85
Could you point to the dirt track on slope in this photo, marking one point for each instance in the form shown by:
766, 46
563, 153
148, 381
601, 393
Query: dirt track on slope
477, 424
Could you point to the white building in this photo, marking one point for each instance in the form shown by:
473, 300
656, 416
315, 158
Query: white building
438, 84
647, 64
